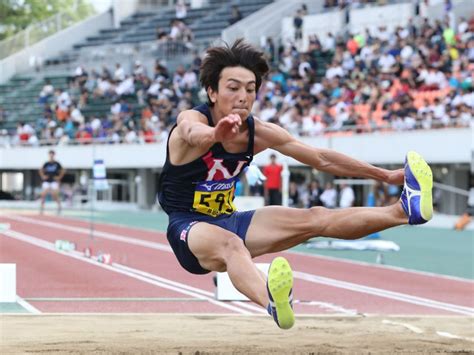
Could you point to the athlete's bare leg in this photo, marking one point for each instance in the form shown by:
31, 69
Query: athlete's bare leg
275, 228
55, 196
220, 250
43, 198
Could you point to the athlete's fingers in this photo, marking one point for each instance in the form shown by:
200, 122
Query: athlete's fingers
238, 119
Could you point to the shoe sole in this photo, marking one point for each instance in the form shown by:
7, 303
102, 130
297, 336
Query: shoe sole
280, 283
423, 175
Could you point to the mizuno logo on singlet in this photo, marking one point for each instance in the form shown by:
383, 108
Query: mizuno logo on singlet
210, 186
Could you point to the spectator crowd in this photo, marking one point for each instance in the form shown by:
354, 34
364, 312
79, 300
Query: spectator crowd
418, 76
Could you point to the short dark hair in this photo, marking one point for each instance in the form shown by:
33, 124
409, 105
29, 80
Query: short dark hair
240, 54
51, 152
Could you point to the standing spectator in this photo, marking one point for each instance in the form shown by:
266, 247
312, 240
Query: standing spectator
314, 194
298, 26
181, 10
346, 196
175, 30
293, 195
235, 15
329, 196
272, 172
3, 115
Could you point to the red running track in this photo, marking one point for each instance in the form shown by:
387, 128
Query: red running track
146, 277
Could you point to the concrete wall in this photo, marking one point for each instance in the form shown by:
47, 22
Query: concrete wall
123, 9
447, 146
267, 21
313, 25
53, 45
372, 17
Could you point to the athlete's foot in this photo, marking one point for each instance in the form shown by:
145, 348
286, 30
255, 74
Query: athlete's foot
280, 287
416, 198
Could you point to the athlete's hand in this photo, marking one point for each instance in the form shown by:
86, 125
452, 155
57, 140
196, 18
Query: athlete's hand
396, 177
227, 128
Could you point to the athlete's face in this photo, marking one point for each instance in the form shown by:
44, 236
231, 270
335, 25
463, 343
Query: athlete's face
236, 92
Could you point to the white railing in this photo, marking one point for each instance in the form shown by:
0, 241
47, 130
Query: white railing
29, 57
36, 32
327, 132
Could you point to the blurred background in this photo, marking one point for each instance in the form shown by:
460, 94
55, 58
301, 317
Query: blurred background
105, 80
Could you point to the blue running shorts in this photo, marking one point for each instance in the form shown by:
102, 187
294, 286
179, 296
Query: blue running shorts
180, 223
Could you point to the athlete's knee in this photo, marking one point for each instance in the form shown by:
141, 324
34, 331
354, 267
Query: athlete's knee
319, 217
217, 258
234, 245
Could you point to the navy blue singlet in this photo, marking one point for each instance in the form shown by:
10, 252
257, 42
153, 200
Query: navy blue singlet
207, 184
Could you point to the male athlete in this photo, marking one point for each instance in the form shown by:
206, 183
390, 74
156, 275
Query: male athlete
213, 143
51, 173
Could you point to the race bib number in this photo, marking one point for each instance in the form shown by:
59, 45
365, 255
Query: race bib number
215, 197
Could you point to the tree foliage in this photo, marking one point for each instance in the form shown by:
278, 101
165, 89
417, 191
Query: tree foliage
16, 15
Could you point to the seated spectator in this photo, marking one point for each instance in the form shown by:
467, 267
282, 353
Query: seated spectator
119, 73
23, 132
104, 87
76, 115
63, 102
126, 87
46, 92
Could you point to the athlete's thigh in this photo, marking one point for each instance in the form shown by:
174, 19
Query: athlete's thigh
276, 228
210, 243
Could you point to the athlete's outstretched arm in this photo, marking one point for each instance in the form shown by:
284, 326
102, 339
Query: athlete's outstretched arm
273, 136
193, 128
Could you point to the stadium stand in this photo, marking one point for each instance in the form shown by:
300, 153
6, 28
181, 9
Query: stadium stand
417, 76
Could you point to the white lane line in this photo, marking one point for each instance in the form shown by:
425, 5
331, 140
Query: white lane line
384, 267
453, 336
186, 287
329, 306
304, 276
76, 255
104, 235
385, 293
27, 306
114, 299
405, 325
